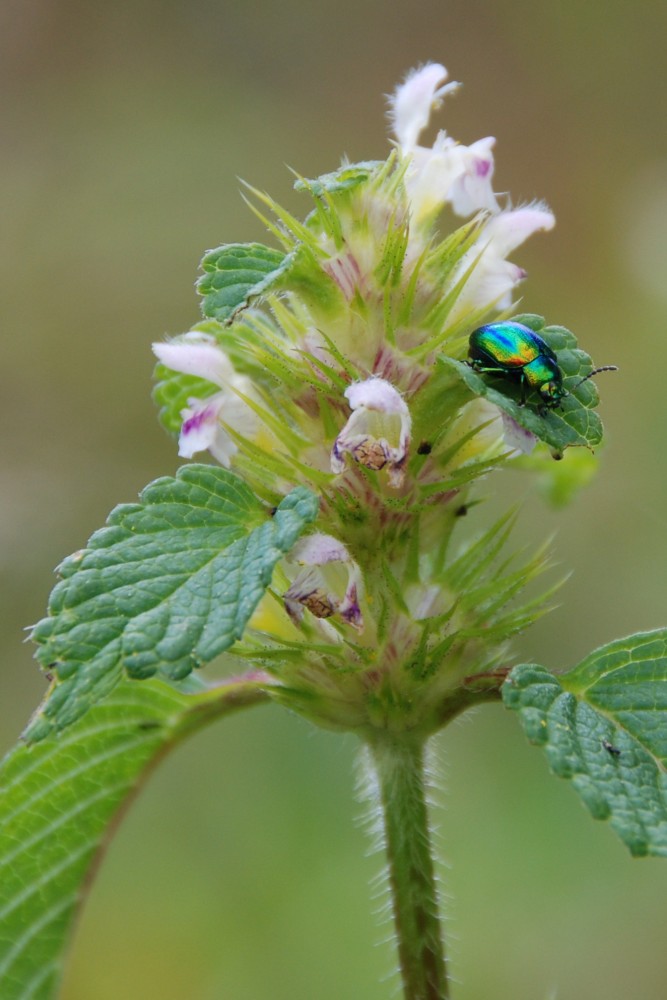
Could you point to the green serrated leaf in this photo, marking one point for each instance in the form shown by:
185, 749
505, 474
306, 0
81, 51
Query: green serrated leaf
57, 800
167, 585
627, 680
347, 177
603, 725
531, 320
574, 422
236, 273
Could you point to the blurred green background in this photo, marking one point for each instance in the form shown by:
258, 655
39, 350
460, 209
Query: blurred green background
243, 872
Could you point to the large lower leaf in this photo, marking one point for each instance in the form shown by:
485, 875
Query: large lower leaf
603, 725
167, 585
57, 799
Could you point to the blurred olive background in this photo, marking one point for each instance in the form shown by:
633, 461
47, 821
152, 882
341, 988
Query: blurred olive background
242, 872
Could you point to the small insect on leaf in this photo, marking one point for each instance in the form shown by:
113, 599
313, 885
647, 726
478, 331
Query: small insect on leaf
610, 748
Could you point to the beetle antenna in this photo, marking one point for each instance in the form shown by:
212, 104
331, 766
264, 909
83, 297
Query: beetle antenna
596, 371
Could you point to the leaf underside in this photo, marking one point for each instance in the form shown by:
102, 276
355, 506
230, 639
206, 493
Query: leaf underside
57, 800
603, 726
167, 585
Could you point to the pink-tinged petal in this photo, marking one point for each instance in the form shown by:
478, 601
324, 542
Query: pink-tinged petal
337, 458
327, 584
200, 425
201, 430
493, 282
494, 278
396, 470
430, 177
236, 412
318, 549
451, 173
508, 230
223, 448
192, 357
376, 394
350, 611
411, 104
472, 190
294, 608
517, 438
197, 354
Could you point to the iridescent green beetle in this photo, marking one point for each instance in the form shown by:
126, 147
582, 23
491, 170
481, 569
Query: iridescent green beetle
517, 352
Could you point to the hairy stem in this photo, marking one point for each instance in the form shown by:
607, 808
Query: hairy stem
401, 781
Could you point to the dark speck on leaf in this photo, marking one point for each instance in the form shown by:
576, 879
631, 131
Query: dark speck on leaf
611, 749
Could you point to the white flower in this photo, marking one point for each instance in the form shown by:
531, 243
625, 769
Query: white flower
449, 171
197, 354
201, 430
377, 434
473, 165
328, 584
494, 278
411, 105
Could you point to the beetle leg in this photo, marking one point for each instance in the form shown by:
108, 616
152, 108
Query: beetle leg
522, 401
475, 365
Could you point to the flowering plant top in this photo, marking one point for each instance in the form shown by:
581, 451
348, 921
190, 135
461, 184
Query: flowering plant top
347, 389
337, 364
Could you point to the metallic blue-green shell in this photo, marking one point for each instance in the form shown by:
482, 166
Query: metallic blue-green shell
516, 351
507, 345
